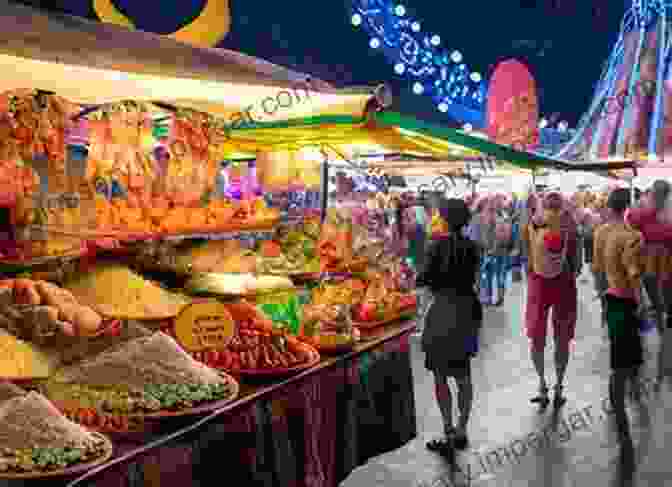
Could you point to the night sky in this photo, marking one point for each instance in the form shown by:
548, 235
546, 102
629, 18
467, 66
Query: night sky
565, 42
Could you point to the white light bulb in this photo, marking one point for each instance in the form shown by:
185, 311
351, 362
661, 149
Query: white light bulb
443, 107
563, 126
400, 10
374, 43
456, 56
356, 20
418, 89
415, 26
467, 127
543, 123
475, 77
399, 68
435, 40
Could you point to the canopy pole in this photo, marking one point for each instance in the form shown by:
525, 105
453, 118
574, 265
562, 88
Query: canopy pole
324, 187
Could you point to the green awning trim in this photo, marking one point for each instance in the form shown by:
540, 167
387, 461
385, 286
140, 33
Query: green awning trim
525, 160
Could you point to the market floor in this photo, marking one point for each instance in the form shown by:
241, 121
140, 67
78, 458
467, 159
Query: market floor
512, 444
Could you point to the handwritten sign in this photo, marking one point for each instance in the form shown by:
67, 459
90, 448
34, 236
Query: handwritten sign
204, 325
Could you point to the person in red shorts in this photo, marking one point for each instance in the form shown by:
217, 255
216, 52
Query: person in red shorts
552, 271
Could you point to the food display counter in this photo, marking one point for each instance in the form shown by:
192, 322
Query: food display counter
310, 429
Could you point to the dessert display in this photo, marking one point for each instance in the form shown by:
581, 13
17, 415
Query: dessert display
293, 252
329, 327
236, 284
115, 291
142, 377
38, 310
37, 440
383, 302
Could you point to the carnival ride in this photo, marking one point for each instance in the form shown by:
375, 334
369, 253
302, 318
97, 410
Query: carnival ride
628, 118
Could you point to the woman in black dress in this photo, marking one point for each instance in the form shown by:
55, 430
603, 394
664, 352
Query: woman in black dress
453, 322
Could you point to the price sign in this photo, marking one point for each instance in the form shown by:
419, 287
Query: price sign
204, 325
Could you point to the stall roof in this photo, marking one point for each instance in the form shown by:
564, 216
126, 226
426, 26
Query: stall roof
93, 63
384, 132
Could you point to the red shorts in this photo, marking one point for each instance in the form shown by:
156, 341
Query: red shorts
559, 293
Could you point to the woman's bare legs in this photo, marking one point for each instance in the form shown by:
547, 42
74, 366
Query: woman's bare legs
465, 397
444, 399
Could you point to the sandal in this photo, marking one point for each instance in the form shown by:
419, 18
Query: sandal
558, 399
542, 398
460, 440
435, 445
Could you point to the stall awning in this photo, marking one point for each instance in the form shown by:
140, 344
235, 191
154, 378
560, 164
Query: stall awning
94, 63
389, 132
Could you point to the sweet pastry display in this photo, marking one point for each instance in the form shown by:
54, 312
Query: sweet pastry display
237, 284
137, 378
38, 310
329, 327
38, 440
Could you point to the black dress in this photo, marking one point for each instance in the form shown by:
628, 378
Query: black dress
450, 335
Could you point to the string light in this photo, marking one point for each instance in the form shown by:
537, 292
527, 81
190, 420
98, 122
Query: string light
356, 20
418, 57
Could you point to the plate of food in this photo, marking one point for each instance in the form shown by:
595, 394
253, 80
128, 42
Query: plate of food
261, 352
39, 441
147, 377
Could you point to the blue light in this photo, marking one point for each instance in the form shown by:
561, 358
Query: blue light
418, 57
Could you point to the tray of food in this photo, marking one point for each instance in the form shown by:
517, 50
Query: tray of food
143, 378
39, 441
134, 297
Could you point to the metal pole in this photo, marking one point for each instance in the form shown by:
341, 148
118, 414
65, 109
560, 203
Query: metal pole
324, 188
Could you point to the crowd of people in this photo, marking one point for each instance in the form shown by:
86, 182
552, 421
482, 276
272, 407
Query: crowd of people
622, 237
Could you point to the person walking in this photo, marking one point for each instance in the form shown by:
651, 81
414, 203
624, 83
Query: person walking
453, 323
650, 219
618, 255
551, 284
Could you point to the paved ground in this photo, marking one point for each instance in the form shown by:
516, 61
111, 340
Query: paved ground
512, 444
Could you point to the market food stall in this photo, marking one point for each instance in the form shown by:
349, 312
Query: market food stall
159, 314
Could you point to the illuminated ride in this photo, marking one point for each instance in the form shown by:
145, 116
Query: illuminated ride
629, 116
